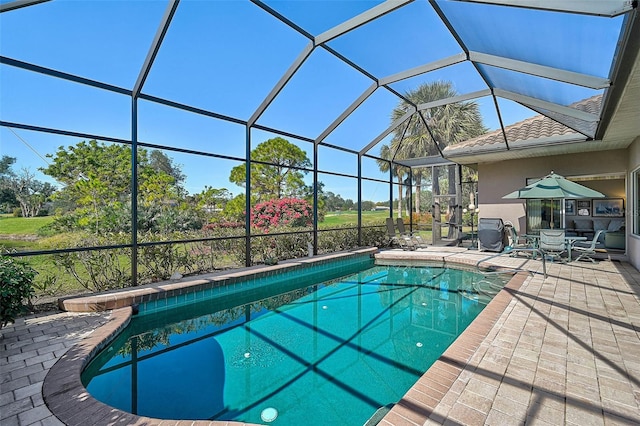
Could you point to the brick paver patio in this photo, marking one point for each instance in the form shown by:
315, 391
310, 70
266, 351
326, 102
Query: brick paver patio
560, 350
28, 349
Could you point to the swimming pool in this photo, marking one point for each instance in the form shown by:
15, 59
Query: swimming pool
329, 353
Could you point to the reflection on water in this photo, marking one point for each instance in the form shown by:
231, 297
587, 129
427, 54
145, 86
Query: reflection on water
359, 341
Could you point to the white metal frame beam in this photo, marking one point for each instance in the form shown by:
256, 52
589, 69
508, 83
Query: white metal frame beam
347, 112
359, 20
586, 7
580, 126
388, 130
541, 70
297, 63
434, 160
538, 103
454, 99
431, 66
351, 24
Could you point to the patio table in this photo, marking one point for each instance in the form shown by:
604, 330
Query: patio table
568, 240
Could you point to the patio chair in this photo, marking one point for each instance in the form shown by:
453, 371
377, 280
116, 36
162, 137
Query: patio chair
515, 241
417, 239
552, 243
405, 242
586, 248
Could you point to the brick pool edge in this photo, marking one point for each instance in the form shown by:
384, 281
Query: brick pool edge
71, 403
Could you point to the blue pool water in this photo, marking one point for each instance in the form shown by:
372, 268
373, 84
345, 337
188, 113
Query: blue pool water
329, 353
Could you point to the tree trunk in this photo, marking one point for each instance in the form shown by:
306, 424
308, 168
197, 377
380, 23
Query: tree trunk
399, 196
407, 197
24, 208
459, 204
418, 184
25, 205
451, 172
436, 228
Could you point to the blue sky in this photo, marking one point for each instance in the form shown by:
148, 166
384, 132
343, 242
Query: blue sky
225, 56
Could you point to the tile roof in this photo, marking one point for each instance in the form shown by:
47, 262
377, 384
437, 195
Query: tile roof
535, 128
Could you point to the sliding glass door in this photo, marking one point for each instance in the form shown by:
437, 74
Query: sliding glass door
544, 214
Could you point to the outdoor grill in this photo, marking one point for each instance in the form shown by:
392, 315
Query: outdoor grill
491, 234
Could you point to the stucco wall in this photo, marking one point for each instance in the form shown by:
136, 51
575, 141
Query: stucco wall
633, 241
498, 179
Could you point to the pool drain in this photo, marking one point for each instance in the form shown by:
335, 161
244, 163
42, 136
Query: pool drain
269, 414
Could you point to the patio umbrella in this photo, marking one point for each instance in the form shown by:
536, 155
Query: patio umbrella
554, 186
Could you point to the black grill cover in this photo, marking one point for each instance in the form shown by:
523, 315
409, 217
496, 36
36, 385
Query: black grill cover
491, 234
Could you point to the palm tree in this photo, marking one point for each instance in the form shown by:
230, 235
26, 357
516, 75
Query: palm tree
449, 124
396, 170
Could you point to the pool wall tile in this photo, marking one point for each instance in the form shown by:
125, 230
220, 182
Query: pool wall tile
443, 374
151, 297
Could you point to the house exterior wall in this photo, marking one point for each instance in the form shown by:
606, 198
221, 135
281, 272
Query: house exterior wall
633, 241
498, 179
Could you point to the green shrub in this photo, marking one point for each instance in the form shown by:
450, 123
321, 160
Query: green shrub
161, 219
273, 248
160, 262
292, 246
110, 268
375, 237
46, 286
47, 230
16, 281
337, 240
223, 253
97, 270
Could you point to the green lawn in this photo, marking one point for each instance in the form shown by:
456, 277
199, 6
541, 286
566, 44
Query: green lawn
334, 219
26, 226
22, 225
18, 245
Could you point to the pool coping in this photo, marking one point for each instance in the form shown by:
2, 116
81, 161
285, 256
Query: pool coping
120, 298
71, 403
418, 405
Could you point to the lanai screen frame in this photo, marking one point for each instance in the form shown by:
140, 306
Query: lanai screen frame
320, 41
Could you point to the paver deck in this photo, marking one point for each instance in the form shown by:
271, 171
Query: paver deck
560, 350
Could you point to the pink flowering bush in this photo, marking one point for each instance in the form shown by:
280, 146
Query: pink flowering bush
293, 212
